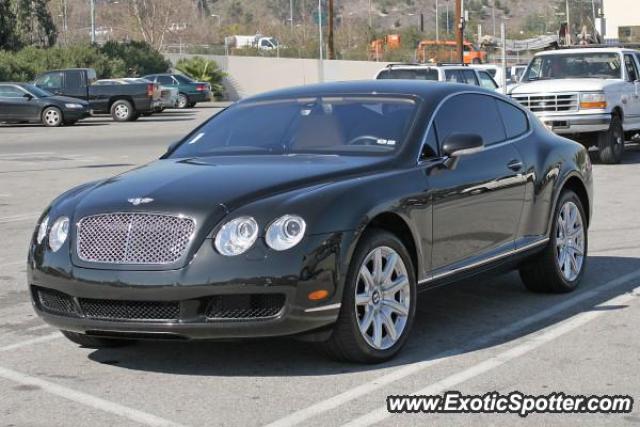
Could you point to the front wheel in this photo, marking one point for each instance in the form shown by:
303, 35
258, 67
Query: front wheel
94, 342
560, 266
52, 117
611, 142
379, 302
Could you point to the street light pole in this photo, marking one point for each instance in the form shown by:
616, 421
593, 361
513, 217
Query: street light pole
568, 36
93, 21
459, 31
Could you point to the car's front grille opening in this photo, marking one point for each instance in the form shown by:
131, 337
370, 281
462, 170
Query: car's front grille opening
55, 302
252, 306
129, 310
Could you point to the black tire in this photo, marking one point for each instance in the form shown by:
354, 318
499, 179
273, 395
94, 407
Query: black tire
94, 342
611, 142
122, 111
541, 273
135, 117
346, 342
183, 101
52, 117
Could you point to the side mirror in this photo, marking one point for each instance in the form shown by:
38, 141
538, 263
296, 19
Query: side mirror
28, 96
461, 144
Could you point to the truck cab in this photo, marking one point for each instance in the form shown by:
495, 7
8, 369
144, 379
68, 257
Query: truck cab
591, 95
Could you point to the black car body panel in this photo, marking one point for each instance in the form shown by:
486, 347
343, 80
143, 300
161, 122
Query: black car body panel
77, 82
20, 103
486, 210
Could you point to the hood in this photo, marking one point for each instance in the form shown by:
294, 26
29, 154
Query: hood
559, 85
208, 188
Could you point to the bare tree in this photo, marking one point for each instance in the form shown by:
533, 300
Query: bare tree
157, 18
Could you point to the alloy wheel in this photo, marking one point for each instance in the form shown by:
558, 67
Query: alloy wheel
570, 241
52, 117
121, 111
182, 101
383, 298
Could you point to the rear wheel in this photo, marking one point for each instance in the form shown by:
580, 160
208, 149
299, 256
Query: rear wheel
611, 142
122, 111
183, 101
52, 117
378, 306
94, 342
560, 266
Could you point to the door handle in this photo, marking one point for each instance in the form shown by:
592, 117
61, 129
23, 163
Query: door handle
515, 165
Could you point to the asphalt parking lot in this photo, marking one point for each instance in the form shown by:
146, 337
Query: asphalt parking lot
475, 337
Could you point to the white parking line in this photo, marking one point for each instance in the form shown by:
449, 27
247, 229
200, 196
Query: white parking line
31, 341
536, 340
321, 407
86, 399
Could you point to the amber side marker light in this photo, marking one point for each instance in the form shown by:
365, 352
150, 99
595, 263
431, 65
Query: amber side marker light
318, 295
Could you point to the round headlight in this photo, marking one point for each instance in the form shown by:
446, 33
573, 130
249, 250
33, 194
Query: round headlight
59, 232
285, 232
237, 236
42, 229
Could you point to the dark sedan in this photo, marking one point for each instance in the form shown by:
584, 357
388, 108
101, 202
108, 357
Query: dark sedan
319, 212
26, 103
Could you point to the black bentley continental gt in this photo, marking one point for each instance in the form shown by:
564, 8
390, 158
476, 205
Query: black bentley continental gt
319, 212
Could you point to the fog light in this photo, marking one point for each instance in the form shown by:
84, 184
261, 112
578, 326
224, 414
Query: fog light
318, 295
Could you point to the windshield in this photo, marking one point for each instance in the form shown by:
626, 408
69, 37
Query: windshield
575, 66
414, 74
183, 79
328, 125
35, 90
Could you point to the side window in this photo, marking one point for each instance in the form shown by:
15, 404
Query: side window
470, 113
430, 147
486, 81
630, 65
75, 79
470, 77
165, 80
10, 92
50, 81
452, 76
514, 119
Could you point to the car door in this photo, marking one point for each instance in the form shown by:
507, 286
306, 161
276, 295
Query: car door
14, 105
477, 202
632, 92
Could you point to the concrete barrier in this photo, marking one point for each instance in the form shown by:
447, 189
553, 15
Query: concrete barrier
249, 75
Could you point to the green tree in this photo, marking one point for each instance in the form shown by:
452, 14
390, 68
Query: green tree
139, 57
204, 70
33, 23
8, 39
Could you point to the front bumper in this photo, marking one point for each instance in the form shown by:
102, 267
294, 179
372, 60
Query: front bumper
576, 123
192, 289
74, 115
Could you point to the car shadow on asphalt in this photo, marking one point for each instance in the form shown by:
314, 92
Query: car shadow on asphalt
448, 319
38, 125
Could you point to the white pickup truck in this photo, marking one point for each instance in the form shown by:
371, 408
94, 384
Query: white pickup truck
591, 95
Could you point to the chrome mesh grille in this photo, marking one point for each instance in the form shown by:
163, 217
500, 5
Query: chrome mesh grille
133, 238
551, 102
56, 302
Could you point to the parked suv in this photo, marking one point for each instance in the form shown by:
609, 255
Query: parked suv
591, 95
441, 72
190, 92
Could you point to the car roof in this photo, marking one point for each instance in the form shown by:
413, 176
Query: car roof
427, 90
587, 50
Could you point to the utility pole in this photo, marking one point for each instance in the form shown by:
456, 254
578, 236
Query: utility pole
332, 50
291, 13
459, 31
370, 20
493, 16
437, 23
568, 36
321, 42
448, 29
93, 21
